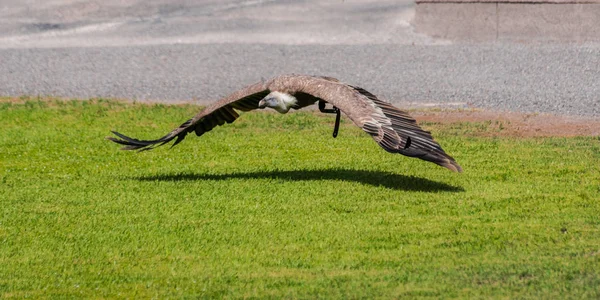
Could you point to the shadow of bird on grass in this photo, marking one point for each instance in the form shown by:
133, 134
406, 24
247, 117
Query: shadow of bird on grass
367, 177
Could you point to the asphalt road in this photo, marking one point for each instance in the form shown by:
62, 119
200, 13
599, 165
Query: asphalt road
202, 50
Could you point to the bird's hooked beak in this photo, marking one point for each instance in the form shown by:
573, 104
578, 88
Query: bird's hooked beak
268, 101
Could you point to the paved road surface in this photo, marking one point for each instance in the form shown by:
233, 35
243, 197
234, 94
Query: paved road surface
202, 50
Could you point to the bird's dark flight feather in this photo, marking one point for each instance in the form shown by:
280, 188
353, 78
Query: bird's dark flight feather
417, 142
203, 122
393, 129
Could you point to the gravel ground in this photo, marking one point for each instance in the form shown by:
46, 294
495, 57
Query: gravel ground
550, 79
219, 47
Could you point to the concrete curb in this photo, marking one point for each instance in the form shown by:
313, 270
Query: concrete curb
509, 20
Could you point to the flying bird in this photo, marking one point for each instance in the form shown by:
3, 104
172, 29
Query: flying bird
393, 129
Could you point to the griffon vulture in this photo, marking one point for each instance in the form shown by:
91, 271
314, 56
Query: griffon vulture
393, 129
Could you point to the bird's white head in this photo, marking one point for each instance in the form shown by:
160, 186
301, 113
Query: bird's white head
278, 101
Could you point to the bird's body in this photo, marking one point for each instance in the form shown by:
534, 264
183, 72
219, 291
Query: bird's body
393, 129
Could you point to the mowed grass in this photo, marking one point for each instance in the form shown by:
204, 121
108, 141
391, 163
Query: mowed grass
272, 206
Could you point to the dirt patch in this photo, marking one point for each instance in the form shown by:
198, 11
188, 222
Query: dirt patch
514, 124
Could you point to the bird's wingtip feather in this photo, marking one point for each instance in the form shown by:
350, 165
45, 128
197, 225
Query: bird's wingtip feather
452, 166
142, 145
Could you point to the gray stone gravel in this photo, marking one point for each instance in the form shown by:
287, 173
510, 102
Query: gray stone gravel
178, 50
550, 79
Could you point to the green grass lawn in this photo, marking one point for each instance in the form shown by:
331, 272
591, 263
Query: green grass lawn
272, 206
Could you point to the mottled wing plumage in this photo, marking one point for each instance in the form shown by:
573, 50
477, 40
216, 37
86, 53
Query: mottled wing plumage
407, 138
393, 129
219, 113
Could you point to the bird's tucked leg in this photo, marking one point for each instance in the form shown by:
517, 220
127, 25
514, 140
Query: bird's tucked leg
333, 110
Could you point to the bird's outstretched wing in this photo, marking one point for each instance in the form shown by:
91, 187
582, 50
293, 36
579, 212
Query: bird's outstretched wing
393, 129
218, 113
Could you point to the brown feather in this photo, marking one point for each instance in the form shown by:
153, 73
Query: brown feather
210, 117
393, 129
